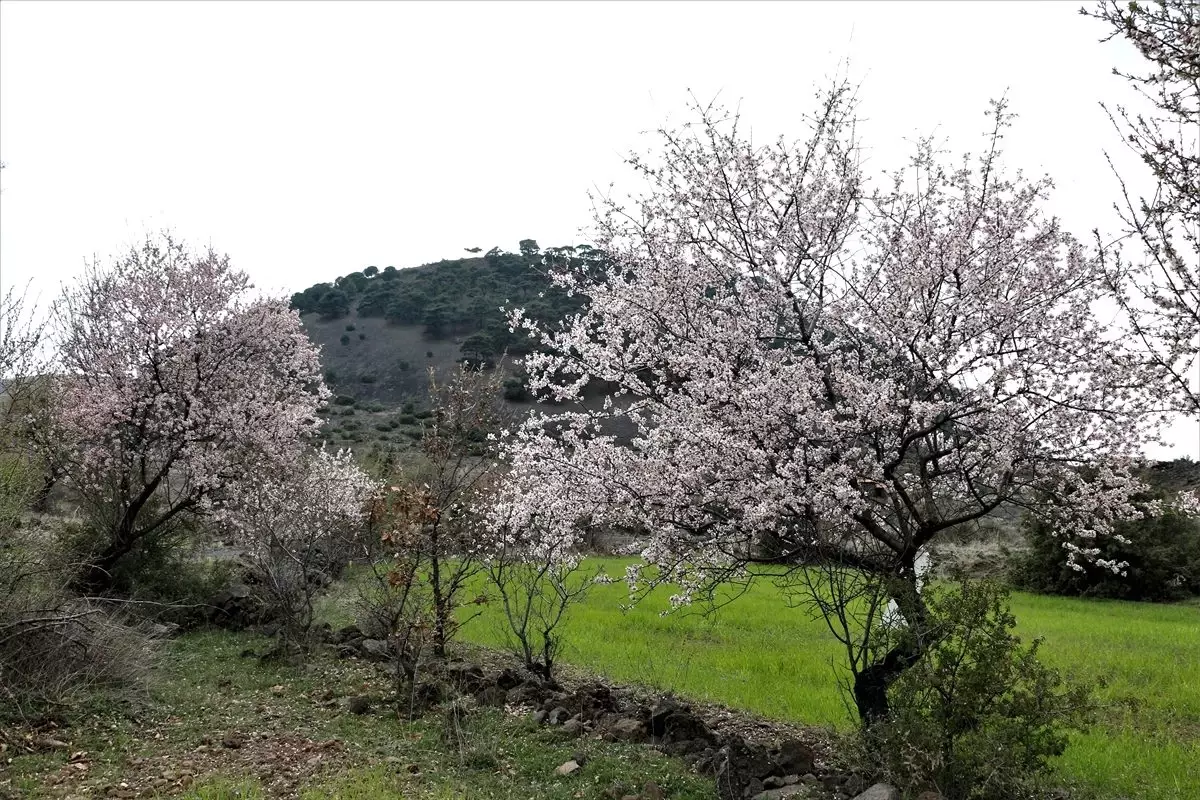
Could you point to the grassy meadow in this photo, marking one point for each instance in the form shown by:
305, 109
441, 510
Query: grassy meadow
761, 655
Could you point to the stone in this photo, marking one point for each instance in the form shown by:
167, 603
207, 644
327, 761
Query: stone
652, 791
679, 724
524, 694
573, 726
657, 723
740, 768
348, 634
376, 649
616, 790
558, 716
855, 785
465, 676
491, 696
624, 729
880, 791
568, 768
509, 678
359, 704
793, 757
539, 716
796, 791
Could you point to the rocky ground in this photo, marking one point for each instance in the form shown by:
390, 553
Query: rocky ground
484, 728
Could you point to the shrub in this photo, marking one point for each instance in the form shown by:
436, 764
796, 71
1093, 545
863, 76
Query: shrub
538, 584
330, 376
19, 483
1163, 554
345, 339
162, 575
516, 390
367, 379
978, 716
362, 337
406, 419
349, 327
58, 653
383, 427
343, 400
300, 528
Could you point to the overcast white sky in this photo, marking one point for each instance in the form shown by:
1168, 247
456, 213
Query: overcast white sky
312, 139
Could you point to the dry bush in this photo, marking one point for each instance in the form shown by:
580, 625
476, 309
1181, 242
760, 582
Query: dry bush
59, 654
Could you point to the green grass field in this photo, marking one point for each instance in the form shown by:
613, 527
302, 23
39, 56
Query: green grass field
761, 655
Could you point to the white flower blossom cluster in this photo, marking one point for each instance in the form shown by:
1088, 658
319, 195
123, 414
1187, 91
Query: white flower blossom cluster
850, 369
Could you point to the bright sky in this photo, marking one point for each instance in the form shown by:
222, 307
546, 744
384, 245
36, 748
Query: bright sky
312, 139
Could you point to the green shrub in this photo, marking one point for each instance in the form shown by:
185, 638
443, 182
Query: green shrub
163, 574
1163, 555
367, 379
406, 419
349, 327
345, 339
19, 484
362, 337
343, 400
516, 390
978, 716
383, 427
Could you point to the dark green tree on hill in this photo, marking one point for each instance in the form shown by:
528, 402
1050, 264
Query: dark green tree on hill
459, 297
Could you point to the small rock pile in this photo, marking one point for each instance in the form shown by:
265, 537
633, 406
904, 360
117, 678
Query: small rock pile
742, 769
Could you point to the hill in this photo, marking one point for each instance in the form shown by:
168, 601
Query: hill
379, 330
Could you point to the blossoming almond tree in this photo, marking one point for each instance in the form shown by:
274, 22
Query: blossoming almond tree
302, 523
1159, 290
846, 372
178, 387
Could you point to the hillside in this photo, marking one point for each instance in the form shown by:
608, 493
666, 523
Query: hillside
380, 332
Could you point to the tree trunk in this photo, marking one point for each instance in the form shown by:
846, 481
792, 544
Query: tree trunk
871, 685
440, 603
95, 576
